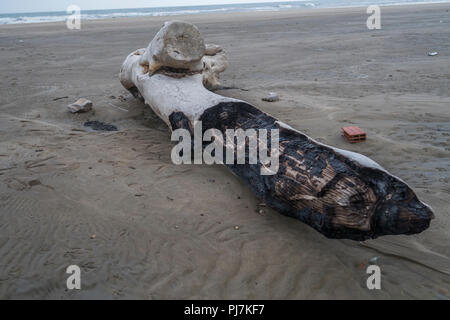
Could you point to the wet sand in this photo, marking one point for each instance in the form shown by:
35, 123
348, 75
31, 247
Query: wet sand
140, 227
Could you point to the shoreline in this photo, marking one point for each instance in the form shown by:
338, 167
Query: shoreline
287, 13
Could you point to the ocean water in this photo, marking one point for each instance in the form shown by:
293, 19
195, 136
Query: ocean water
37, 17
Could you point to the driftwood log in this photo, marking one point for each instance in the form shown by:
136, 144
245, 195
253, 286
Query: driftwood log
339, 193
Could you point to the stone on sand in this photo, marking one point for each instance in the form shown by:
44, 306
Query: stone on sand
81, 105
271, 97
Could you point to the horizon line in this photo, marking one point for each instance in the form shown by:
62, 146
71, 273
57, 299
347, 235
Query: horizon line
156, 7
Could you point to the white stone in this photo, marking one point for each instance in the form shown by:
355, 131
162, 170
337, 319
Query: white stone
81, 105
271, 97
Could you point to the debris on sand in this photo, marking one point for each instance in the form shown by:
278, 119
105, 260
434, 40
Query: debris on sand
100, 126
60, 98
272, 97
354, 134
33, 183
82, 105
122, 98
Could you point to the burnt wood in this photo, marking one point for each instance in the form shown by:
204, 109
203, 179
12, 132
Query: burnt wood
315, 184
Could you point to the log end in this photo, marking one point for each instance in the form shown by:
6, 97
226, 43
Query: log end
177, 45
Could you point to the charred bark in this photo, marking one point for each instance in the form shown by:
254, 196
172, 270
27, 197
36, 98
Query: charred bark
316, 184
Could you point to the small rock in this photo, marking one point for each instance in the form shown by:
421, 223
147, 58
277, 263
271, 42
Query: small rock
82, 105
432, 54
272, 97
236, 227
33, 183
93, 236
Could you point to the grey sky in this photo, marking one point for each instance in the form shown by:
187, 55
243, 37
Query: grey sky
13, 6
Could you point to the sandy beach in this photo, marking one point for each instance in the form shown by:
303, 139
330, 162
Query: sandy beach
141, 227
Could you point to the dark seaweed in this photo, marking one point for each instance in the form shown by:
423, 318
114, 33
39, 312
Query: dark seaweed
100, 126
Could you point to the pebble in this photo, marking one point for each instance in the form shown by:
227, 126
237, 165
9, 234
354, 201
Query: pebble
81, 105
35, 182
272, 97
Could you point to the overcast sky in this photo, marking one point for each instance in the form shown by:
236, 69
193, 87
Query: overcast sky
13, 6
